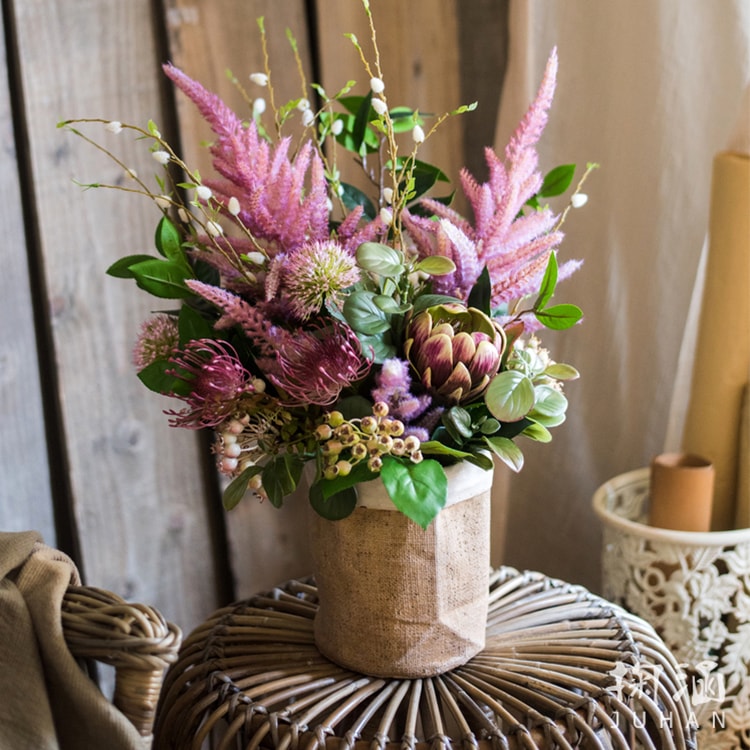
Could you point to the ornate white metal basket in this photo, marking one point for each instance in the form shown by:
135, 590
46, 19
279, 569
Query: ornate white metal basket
694, 588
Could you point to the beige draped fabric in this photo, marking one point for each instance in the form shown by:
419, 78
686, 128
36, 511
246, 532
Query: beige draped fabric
650, 89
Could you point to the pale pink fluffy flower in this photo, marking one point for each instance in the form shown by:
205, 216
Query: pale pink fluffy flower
157, 339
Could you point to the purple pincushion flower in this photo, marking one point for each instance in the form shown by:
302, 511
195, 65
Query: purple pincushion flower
394, 388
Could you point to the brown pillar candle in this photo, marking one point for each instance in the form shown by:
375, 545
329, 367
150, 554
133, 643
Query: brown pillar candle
682, 486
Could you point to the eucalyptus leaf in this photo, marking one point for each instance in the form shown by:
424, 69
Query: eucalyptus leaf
507, 451
561, 371
430, 300
538, 432
419, 490
389, 305
458, 423
380, 259
509, 396
377, 347
435, 265
363, 315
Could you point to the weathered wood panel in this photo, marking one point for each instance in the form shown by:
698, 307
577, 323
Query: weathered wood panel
266, 545
140, 496
25, 493
138, 488
415, 74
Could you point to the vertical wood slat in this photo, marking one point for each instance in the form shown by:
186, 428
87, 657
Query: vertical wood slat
207, 38
138, 490
137, 487
418, 43
25, 492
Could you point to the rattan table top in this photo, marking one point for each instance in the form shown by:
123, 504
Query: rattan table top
562, 668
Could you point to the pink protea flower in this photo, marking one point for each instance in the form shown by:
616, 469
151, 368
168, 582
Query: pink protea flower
157, 339
217, 378
315, 366
315, 274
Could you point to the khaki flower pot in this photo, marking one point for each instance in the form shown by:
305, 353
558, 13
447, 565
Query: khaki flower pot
397, 600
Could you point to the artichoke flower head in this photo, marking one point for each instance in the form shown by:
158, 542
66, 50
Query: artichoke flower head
455, 351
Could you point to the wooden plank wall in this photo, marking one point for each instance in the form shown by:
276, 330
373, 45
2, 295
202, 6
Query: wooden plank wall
86, 455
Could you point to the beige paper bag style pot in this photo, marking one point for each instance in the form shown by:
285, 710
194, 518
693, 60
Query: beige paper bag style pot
399, 601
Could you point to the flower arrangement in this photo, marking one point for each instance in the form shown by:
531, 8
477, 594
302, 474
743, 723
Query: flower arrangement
368, 336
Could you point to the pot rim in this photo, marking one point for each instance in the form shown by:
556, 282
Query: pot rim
466, 480
641, 478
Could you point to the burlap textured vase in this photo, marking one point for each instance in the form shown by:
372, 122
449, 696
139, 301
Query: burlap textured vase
400, 601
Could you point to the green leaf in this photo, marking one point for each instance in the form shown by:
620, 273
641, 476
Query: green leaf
550, 406
481, 293
380, 259
353, 197
337, 506
154, 376
549, 282
361, 119
359, 474
557, 181
281, 476
167, 240
507, 451
363, 315
509, 396
354, 407
192, 325
237, 488
379, 346
560, 371
404, 119
430, 300
389, 305
424, 177
419, 491
162, 278
435, 265
121, 268
489, 426
538, 432
458, 423
559, 317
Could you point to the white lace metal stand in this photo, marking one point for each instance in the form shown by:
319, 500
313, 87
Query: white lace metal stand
562, 668
695, 589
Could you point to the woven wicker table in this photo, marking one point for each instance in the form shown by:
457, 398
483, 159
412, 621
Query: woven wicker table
562, 668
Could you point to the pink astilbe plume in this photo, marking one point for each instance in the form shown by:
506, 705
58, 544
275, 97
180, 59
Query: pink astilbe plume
236, 312
514, 246
283, 199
